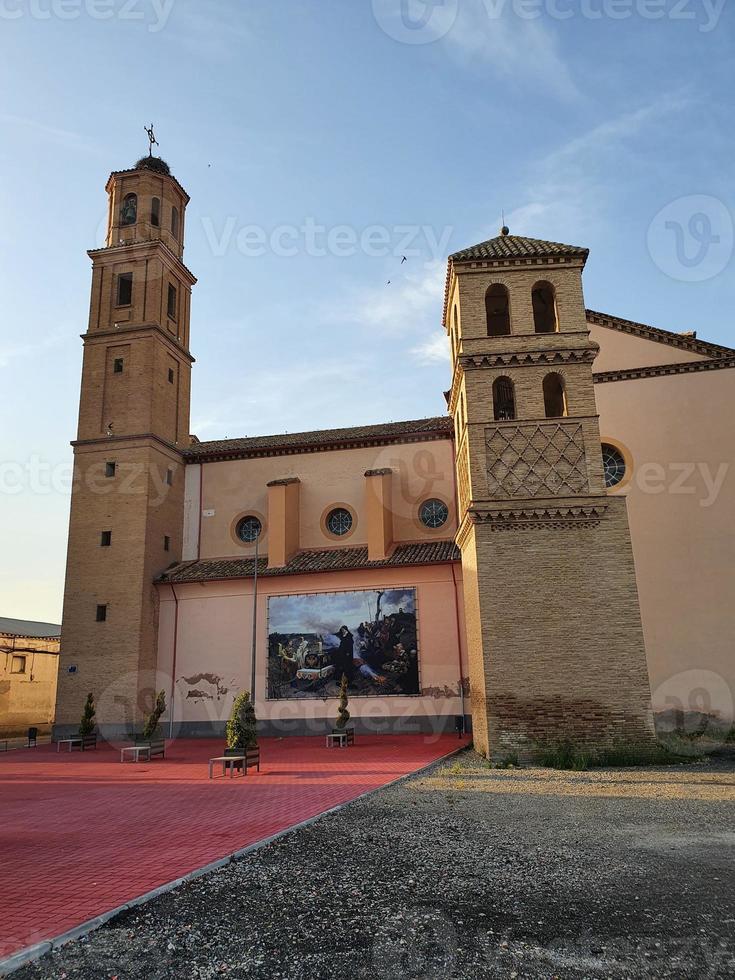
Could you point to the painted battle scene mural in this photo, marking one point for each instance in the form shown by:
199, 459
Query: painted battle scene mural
370, 636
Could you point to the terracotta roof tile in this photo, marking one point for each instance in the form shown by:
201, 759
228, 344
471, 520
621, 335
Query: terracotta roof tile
321, 439
686, 341
333, 560
517, 247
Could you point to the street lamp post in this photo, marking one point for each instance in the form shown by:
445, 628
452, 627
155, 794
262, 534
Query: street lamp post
255, 622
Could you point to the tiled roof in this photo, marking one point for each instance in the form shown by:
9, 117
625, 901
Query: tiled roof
27, 627
322, 439
333, 560
662, 370
683, 341
517, 247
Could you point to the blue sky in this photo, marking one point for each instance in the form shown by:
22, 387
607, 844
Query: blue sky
383, 129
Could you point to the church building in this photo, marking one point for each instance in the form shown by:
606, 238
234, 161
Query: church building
551, 559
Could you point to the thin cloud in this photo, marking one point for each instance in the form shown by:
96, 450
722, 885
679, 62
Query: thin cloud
524, 51
47, 133
401, 304
433, 350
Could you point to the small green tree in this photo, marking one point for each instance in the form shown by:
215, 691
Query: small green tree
343, 715
155, 716
242, 724
86, 725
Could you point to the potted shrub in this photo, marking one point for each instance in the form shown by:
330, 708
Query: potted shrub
152, 736
343, 715
86, 725
241, 731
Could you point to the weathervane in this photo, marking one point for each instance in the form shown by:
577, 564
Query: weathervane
152, 141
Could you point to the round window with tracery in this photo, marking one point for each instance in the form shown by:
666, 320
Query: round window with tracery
613, 465
433, 513
339, 521
248, 529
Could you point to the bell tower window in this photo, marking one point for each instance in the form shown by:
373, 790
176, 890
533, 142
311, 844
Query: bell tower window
129, 210
543, 301
497, 311
175, 223
125, 289
504, 400
171, 304
156, 212
555, 399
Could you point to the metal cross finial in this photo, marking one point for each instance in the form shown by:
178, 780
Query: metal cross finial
152, 141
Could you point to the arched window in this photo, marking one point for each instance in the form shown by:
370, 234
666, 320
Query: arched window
497, 311
555, 399
129, 210
175, 222
543, 300
156, 211
504, 400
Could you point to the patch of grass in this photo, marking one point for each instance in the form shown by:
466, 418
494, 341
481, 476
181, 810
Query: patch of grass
568, 755
563, 755
507, 761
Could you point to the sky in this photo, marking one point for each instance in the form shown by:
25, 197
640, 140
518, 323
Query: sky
320, 141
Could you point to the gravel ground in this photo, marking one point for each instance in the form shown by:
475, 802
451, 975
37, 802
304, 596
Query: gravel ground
463, 871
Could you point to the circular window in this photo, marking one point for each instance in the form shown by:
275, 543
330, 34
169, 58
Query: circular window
613, 465
248, 529
339, 521
433, 513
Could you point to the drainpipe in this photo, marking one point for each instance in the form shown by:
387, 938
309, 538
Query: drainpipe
459, 641
454, 578
173, 665
201, 504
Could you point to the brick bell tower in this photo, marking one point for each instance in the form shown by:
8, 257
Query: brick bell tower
551, 602
128, 489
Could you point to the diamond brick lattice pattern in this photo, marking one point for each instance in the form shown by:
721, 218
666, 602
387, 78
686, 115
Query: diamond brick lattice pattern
536, 460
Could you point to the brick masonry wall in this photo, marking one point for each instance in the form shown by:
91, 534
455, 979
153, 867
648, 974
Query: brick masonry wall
115, 659
564, 651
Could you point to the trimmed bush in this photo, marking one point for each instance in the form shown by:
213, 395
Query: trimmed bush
86, 725
155, 716
343, 715
241, 728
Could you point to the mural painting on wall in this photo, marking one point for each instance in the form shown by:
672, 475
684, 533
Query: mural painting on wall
370, 636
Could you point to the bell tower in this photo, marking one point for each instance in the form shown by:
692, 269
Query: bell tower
127, 502
551, 602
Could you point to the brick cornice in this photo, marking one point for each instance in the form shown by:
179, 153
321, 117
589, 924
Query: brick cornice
658, 334
512, 359
143, 249
139, 330
587, 512
119, 442
662, 370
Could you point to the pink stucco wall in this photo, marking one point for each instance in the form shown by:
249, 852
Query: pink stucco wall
214, 641
677, 435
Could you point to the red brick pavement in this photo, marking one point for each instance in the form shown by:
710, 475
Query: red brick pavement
82, 833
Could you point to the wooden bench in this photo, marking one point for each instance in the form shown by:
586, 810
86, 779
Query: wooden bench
247, 758
155, 746
80, 742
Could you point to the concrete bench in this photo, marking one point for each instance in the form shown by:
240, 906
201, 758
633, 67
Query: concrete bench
342, 739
